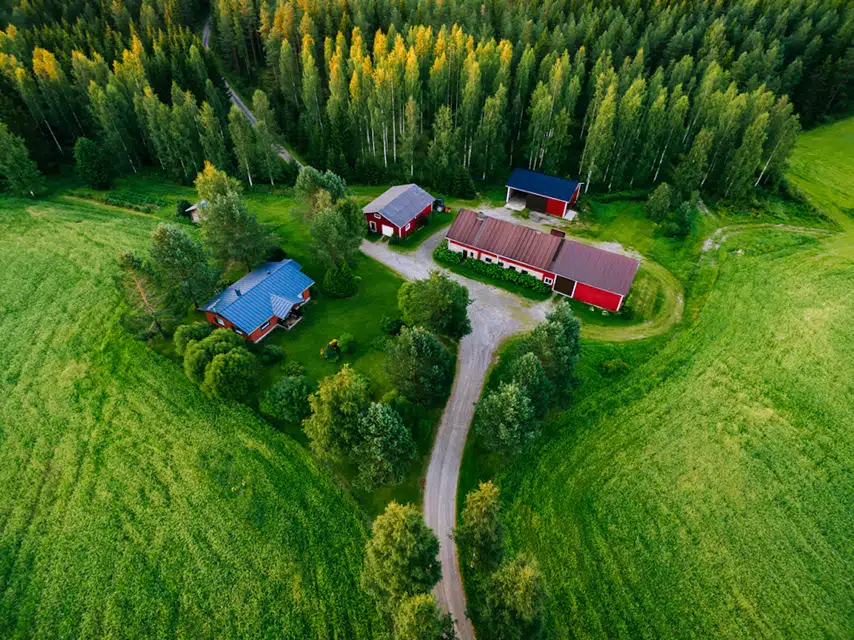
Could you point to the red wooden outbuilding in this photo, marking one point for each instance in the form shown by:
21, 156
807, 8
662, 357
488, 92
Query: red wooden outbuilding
399, 211
540, 192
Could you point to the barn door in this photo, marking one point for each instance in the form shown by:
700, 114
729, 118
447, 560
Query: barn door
564, 285
536, 203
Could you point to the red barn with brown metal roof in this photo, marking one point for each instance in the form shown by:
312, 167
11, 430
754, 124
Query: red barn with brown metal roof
579, 271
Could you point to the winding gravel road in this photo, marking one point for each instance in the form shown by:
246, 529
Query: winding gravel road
495, 315
284, 154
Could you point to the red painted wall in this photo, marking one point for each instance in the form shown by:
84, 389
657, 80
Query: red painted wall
597, 297
259, 333
555, 207
495, 259
398, 231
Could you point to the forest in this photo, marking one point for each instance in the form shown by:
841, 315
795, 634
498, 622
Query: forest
620, 94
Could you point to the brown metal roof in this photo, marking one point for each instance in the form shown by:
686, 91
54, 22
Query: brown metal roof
505, 239
568, 258
596, 267
466, 226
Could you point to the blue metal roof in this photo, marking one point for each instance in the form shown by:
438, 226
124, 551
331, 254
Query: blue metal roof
273, 289
542, 185
400, 204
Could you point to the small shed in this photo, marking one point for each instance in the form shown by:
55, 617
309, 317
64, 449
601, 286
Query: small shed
541, 192
270, 296
197, 210
399, 211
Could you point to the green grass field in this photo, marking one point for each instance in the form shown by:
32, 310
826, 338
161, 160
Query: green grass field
132, 505
709, 492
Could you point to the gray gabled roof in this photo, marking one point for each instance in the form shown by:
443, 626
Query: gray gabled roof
273, 289
596, 267
400, 204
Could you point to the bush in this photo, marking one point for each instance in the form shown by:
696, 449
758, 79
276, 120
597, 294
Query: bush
287, 400
419, 366
380, 343
346, 342
271, 354
181, 209
331, 351
91, 165
231, 375
613, 368
658, 205
199, 354
340, 282
293, 369
682, 222
443, 255
187, 333
391, 325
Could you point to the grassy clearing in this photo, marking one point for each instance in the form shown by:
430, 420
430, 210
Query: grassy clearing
131, 504
708, 492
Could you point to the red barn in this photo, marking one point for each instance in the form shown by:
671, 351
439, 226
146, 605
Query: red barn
594, 276
270, 296
543, 193
399, 211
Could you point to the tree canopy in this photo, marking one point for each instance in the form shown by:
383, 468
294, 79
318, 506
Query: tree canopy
436, 303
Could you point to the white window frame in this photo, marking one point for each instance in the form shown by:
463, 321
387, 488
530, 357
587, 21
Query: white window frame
377, 216
487, 259
373, 226
219, 321
406, 228
265, 325
548, 280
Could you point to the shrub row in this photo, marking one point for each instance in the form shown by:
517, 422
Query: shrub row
125, 199
444, 255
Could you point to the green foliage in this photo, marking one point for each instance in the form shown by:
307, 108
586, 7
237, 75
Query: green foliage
682, 222
337, 232
287, 400
310, 182
125, 199
149, 311
331, 351
437, 303
557, 344
91, 165
400, 557
199, 354
182, 265
293, 368
443, 255
505, 419
613, 368
391, 325
419, 366
269, 353
231, 375
658, 205
187, 333
527, 372
232, 233
20, 173
514, 601
419, 618
346, 342
181, 207
337, 406
339, 281
386, 449
479, 535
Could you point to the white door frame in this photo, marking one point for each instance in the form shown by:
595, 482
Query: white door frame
372, 225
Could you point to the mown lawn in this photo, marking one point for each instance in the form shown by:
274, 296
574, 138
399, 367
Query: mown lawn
709, 492
132, 505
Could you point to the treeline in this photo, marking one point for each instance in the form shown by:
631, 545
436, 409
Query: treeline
137, 80
614, 92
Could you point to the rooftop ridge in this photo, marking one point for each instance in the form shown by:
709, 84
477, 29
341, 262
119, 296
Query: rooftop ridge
242, 292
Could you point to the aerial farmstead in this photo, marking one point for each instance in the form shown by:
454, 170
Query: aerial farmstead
399, 211
542, 193
270, 296
581, 272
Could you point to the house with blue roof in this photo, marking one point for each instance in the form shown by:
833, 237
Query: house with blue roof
271, 296
541, 192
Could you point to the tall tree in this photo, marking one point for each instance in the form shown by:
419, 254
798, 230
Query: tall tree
514, 601
21, 174
479, 535
694, 164
741, 170
212, 137
266, 134
386, 449
243, 138
400, 556
419, 618
419, 366
436, 303
182, 264
336, 409
505, 419
232, 233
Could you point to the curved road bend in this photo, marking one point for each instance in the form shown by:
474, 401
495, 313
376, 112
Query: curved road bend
284, 154
495, 315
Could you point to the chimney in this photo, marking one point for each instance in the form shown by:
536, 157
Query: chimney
557, 233
237, 291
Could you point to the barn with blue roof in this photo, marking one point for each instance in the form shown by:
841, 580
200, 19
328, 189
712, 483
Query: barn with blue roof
270, 296
540, 192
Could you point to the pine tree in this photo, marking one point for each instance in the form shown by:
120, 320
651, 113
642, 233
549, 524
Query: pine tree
21, 174
266, 133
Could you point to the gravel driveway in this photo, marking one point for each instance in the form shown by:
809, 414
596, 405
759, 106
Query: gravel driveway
495, 315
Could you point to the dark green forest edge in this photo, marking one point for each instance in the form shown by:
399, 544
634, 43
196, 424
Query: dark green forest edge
695, 108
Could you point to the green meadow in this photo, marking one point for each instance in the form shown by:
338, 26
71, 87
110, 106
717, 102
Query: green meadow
709, 491
132, 505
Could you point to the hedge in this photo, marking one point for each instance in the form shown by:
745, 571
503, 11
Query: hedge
444, 255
